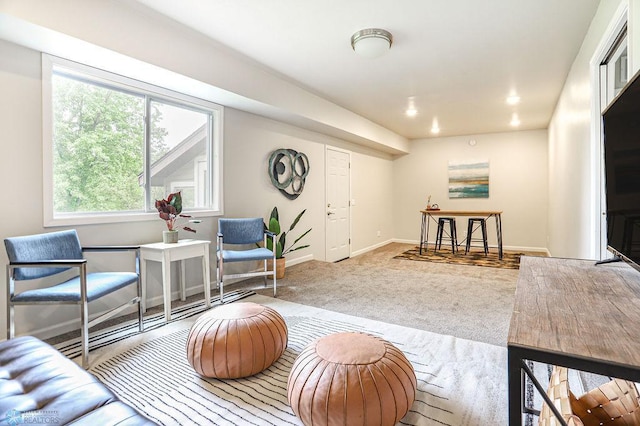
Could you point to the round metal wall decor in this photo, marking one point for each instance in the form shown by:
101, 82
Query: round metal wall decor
288, 170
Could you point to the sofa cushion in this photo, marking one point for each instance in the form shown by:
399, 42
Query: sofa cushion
37, 380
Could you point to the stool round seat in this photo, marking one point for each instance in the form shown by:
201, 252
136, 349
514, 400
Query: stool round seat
236, 340
351, 379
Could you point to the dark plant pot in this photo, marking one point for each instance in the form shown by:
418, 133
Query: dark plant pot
169, 237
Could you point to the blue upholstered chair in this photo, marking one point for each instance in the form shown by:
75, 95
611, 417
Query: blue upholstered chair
43, 255
243, 232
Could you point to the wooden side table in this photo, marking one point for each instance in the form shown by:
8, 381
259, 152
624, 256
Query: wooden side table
167, 253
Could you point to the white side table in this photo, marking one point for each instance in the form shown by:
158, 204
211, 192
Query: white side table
166, 253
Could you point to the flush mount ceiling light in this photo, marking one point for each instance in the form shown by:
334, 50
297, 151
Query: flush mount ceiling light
371, 42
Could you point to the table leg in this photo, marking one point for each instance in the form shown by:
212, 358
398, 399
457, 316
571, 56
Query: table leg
143, 283
166, 285
499, 232
183, 290
206, 276
422, 230
516, 383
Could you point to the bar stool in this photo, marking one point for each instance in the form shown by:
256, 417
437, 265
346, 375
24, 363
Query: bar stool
482, 224
452, 235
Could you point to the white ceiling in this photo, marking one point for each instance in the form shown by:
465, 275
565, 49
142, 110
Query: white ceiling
457, 59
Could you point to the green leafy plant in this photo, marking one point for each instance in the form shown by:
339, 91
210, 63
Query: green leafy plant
281, 237
170, 210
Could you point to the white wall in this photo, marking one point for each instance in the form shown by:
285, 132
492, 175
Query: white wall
249, 139
517, 184
128, 28
574, 217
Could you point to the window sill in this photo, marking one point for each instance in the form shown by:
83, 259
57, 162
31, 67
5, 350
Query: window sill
96, 219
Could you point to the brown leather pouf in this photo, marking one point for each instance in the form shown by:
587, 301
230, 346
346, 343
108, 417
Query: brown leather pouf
236, 340
351, 379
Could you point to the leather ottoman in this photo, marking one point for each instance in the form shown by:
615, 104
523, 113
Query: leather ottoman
353, 379
40, 385
236, 340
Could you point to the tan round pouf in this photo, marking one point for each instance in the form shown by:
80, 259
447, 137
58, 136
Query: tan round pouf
236, 340
351, 379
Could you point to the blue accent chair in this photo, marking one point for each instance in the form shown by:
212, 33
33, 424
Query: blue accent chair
43, 255
238, 232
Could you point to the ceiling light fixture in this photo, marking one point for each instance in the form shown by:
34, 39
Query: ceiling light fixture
411, 112
371, 42
513, 99
515, 121
435, 129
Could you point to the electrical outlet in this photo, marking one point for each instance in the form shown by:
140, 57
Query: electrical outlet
378, 234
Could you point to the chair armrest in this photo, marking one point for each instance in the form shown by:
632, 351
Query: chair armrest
269, 233
110, 248
219, 234
58, 263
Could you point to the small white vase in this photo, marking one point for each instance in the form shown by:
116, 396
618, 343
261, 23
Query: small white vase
169, 237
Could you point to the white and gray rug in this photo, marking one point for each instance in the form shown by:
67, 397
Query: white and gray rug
72, 348
460, 382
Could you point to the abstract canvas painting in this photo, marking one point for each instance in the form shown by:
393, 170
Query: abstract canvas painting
469, 179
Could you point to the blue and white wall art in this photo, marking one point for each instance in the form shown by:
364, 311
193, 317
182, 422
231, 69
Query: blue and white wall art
469, 179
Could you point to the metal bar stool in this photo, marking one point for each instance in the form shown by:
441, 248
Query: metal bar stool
452, 235
482, 224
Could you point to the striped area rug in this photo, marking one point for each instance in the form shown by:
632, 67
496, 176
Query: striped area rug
460, 382
99, 339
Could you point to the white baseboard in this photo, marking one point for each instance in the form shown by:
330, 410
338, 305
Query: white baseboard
370, 248
398, 240
299, 260
509, 248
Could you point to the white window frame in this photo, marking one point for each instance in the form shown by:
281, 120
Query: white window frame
50, 218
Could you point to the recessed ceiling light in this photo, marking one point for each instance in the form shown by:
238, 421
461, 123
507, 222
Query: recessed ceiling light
411, 112
513, 99
435, 129
515, 121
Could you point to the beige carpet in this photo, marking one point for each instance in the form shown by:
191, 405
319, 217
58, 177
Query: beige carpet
469, 302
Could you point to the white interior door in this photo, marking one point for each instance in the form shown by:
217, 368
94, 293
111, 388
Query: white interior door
338, 236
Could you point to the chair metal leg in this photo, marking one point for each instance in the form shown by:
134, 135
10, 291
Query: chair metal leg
9, 295
84, 334
141, 304
84, 317
275, 286
221, 278
264, 278
439, 235
140, 307
454, 236
484, 238
11, 330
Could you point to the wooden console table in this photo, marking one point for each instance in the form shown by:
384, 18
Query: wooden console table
431, 214
575, 314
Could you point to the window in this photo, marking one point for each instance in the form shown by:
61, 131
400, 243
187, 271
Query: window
614, 69
115, 145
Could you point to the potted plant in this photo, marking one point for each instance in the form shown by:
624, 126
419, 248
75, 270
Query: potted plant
170, 210
281, 240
